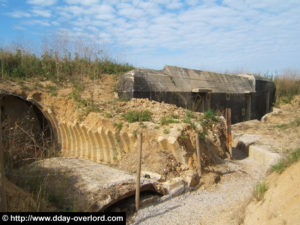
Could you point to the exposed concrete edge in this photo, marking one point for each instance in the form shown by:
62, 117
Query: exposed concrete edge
263, 155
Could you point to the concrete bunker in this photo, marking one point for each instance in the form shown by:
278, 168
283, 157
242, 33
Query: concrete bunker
27, 135
248, 96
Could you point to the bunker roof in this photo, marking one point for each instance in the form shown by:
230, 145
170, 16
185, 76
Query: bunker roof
177, 79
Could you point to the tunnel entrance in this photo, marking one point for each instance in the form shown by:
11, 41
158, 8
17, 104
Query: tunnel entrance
26, 133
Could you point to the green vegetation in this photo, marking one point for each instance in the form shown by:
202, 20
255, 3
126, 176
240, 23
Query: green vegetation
107, 115
188, 119
166, 131
293, 124
57, 66
259, 191
119, 126
188, 116
52, 90
209, 119
287, 86
286, 162
138, 116
135, 132
167, 120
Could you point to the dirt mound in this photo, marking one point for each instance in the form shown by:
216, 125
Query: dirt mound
281, 201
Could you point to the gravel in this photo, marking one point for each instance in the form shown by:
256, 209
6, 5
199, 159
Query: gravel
222, 203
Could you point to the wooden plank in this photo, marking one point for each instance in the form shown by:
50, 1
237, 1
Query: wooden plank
138, 174
198, 154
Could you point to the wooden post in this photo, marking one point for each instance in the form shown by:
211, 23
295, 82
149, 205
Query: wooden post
3, 206
138, 174
198, 154
229, 137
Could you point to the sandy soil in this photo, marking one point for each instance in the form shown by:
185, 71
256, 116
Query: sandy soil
281, 201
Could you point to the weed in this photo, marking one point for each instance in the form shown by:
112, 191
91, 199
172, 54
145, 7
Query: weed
107, 115
188, 116
166, 131
119, 126
38, 85
259, 191
202, 134
138, 116
295, 123
51, 89
210, 115
135, 133
142, 125
183, 137
167, 120
123, 99
156, 127
286, 162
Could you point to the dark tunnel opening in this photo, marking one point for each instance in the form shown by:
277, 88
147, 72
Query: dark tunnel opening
26, 133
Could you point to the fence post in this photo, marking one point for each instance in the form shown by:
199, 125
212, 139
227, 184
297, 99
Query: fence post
229, 137
3, 204
138, 174
198, 154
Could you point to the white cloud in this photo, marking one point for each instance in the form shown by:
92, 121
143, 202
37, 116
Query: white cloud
38, 22
42, 2
82, 2
41, 12
188, 33
19, 14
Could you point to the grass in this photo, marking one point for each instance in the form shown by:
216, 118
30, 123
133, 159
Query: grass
108, 115
260, 190
286, 162
55, 65
188, 116
293, 124
138, 116
209, 119
166, 120
166, 131
51, 89
287, 86
119, 126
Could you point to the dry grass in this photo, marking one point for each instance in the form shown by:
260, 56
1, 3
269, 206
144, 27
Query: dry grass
287, 86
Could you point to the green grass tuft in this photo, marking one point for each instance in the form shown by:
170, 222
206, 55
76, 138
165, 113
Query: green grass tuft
166, 131
260, 190
138, 116
167, 120
286, 162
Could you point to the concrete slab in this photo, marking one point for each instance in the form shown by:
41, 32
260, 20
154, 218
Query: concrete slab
263, 155
79, 184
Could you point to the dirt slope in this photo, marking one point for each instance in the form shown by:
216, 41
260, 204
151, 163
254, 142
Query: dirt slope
281, 202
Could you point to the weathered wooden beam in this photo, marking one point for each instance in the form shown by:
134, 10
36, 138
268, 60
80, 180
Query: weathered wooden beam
138, 173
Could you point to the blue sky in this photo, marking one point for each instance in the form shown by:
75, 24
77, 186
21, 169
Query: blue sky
217, 35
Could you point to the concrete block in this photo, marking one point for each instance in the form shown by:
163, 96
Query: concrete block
263, 155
